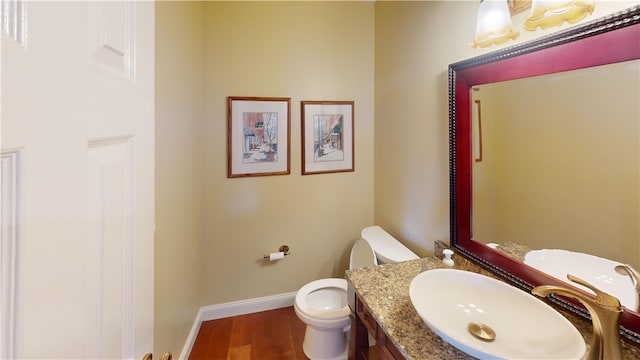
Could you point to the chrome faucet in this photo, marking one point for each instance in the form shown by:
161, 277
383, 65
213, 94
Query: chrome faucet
627, 269
605, 311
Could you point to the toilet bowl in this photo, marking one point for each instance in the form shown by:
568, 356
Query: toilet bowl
322, 304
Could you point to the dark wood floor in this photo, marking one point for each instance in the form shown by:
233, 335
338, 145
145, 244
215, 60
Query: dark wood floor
275, 334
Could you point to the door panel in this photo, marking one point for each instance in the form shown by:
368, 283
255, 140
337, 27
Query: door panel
110, 248
9, 218
78, 110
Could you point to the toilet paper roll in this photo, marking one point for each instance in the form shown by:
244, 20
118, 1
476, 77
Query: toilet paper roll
276, 256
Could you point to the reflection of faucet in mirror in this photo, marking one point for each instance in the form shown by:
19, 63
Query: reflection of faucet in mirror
605, 311
627, 269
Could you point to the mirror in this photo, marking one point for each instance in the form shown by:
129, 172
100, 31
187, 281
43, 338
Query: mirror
560, 166
556, 166
590, 54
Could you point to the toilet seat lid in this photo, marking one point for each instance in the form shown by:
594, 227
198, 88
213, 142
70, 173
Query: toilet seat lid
387, 248
362, 255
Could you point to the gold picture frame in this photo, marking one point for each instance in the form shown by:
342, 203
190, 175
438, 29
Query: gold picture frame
327, 137
258, 136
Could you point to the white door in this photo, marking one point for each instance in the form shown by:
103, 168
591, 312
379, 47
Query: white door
77, 180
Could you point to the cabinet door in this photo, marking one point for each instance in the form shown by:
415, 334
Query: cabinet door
386, 348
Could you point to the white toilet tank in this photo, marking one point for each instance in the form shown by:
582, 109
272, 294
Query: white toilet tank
387, 248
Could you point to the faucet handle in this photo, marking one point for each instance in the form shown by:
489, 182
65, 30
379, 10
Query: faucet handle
627, 269
602, 298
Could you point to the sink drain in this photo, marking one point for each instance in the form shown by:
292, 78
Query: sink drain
482, 331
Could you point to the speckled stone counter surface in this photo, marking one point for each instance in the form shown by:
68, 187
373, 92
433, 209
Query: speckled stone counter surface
384, 290
515, 250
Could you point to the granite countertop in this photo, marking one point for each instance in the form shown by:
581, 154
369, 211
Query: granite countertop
384, 289
513, 249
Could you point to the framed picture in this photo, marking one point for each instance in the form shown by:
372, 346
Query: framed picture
258, 136
327, 137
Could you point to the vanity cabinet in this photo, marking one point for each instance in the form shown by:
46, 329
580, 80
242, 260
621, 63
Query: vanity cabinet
363, 323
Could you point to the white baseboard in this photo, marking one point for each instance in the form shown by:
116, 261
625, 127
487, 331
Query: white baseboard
248, 306
235, 308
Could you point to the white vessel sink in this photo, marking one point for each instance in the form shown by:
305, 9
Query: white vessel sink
597, 271
449, 300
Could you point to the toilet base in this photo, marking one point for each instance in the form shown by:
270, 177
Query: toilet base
320, 344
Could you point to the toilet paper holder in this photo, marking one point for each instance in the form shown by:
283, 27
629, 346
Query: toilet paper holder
283, 249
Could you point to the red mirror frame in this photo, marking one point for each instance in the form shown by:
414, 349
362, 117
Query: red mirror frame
614, 38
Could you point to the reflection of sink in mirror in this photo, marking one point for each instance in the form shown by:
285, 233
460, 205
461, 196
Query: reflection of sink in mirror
599, 272
467, 310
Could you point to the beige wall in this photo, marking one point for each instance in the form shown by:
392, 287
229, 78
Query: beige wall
305, 51
179, 172
415, 42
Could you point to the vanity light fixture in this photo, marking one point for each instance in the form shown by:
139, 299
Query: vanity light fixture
549, 13
493, 24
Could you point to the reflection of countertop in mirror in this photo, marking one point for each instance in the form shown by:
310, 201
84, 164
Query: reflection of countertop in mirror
515, 250
384, 290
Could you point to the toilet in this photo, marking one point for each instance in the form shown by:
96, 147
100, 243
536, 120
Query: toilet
323, 306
